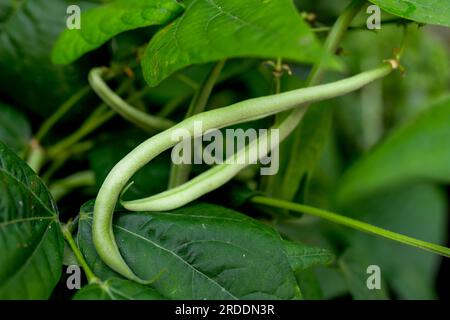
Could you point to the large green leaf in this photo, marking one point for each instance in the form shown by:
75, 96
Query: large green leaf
31, 242
100, 24
204, 251
117, 289
417, 210
211, 30
425, 11
15, 129
27, 75
417, 150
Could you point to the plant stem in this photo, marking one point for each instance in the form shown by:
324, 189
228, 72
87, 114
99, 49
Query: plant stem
62, 187
352, 223
60, 112
92, 278
97, 118
59, 161
36, 157
174, 103
266, 183
100, 116
332, 42
179, 173
400, 21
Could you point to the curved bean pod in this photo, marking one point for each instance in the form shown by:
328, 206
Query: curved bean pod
141, 119
244, 111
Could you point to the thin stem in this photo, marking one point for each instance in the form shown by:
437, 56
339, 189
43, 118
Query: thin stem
62, 187
399, 21
332, 42
170, 107
188, 81
60, 112
98, 118
179, 173
266, 183
59, 161
231, 72
92, 278
352, 223
36, 157
277, 75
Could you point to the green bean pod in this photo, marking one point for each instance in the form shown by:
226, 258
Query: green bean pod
240, 112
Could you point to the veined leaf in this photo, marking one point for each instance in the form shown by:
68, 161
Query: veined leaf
302, 257
429, 11
15, 130
202, 252
418, 150
100, 24
212, 30
31, 242
117, 289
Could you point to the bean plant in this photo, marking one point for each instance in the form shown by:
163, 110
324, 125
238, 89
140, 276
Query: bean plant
354, 95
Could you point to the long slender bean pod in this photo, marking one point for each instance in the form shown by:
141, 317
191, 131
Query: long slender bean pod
142, 120
244, 111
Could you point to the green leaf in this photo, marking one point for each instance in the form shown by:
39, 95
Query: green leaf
353, 265
429, 11
302, 257
15, 129
100, 24
417, 210
27, 75
31, 242
418, 150
211, 30
203, 251
117, 289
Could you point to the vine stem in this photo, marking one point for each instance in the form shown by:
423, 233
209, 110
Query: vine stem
36, 156
97, 118
179, 173
294, 118
62, 187
352, 223
60, 112
92, 278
